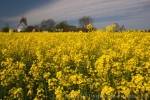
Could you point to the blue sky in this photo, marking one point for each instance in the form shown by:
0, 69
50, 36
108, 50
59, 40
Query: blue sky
131, 13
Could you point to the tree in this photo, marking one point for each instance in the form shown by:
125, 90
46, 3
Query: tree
5, 28
29, 29
84, 21
23, 20
47, 25
86, 24
122, 28
115, 27
63, 26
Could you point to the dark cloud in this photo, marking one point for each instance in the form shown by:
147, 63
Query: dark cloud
131, 12
10, 8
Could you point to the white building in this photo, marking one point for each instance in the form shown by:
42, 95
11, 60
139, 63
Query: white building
21, 27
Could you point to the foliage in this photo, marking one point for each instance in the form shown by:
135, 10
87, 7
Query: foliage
115, 27
90, 28
5, 29
94, 65
47, 25
23, 20
65, 27
85, 20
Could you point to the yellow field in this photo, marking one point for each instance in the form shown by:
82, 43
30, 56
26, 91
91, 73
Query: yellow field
45, 66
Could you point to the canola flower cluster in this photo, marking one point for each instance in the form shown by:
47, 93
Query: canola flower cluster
75, 66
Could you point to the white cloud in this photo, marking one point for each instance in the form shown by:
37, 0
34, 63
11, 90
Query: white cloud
74, 9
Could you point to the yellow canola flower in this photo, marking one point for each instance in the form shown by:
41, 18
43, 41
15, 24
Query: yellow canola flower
59, 93
138, 79
74, 94
59, 74
76, 79
124, 90
46, 75
107, 91
109, 61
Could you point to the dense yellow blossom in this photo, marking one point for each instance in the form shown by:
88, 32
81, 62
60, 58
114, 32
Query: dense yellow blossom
75, 65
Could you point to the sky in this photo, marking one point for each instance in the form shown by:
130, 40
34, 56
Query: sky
131, 13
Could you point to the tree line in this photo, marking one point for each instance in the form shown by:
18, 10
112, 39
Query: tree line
50, 25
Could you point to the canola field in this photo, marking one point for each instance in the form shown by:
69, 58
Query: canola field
75, 66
